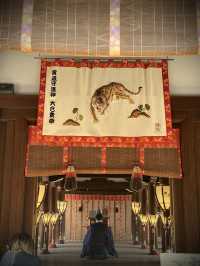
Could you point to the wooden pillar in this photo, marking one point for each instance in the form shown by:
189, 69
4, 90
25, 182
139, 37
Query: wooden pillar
4, 179
152, 203
29, 204
17, 193
152, 210
144, 209
53, 210
179, 221
186, 207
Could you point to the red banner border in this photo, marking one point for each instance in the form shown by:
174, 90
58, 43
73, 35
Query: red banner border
36, 133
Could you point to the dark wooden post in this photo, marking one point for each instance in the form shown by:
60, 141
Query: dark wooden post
143, 211
53, 209
152, 210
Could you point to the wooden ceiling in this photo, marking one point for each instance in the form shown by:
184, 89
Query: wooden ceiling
103, 184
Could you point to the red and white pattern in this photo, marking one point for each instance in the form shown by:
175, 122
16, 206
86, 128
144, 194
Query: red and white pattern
90, 140
171, 140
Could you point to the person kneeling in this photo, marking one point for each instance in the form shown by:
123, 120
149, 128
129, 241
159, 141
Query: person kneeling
97, 240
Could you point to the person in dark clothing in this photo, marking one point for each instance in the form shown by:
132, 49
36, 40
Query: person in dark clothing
85, 250
20, 253
98, 239
98, 242
110, 244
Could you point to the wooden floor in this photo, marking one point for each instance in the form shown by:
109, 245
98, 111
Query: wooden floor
69, 254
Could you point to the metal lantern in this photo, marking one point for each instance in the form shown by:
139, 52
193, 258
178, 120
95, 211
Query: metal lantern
163, 197
166, 220
46, 217
61, 206
170, 220
153, 219
38, 216
136, 207
41, 193
53, 221
143, 219
54, 218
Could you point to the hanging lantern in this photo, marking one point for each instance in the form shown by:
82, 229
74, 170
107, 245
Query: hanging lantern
61, 206
136, 206
163, 198
41, 194
153, 219
143, 219
136, 179
70, 179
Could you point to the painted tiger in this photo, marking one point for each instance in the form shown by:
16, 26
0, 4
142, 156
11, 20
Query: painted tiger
104, 96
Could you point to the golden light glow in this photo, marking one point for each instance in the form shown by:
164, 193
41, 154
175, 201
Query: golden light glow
54, 218
153, 219
46, 217
163, 196
61, 206
41, 193
143, 219
136, 206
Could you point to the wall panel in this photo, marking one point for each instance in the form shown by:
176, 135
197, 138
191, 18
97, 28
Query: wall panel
77, 221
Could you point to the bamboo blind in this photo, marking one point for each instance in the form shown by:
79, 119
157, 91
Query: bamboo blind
101, 27
45, 161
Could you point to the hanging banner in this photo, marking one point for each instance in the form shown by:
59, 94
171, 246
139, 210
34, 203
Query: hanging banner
95, 99
104, 117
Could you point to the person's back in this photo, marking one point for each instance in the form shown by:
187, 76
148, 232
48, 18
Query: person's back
110, 244
98, 234
23, 258
98, 242
20, 253
98, 239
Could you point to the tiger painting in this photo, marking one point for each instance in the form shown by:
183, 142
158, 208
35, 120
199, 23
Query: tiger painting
104, 96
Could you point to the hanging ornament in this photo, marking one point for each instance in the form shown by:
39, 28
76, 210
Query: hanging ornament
70, 179
136, 179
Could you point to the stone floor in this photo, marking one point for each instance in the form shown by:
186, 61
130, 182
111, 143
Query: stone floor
69, 254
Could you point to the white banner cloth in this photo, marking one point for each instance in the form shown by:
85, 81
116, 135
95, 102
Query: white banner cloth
98, 102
